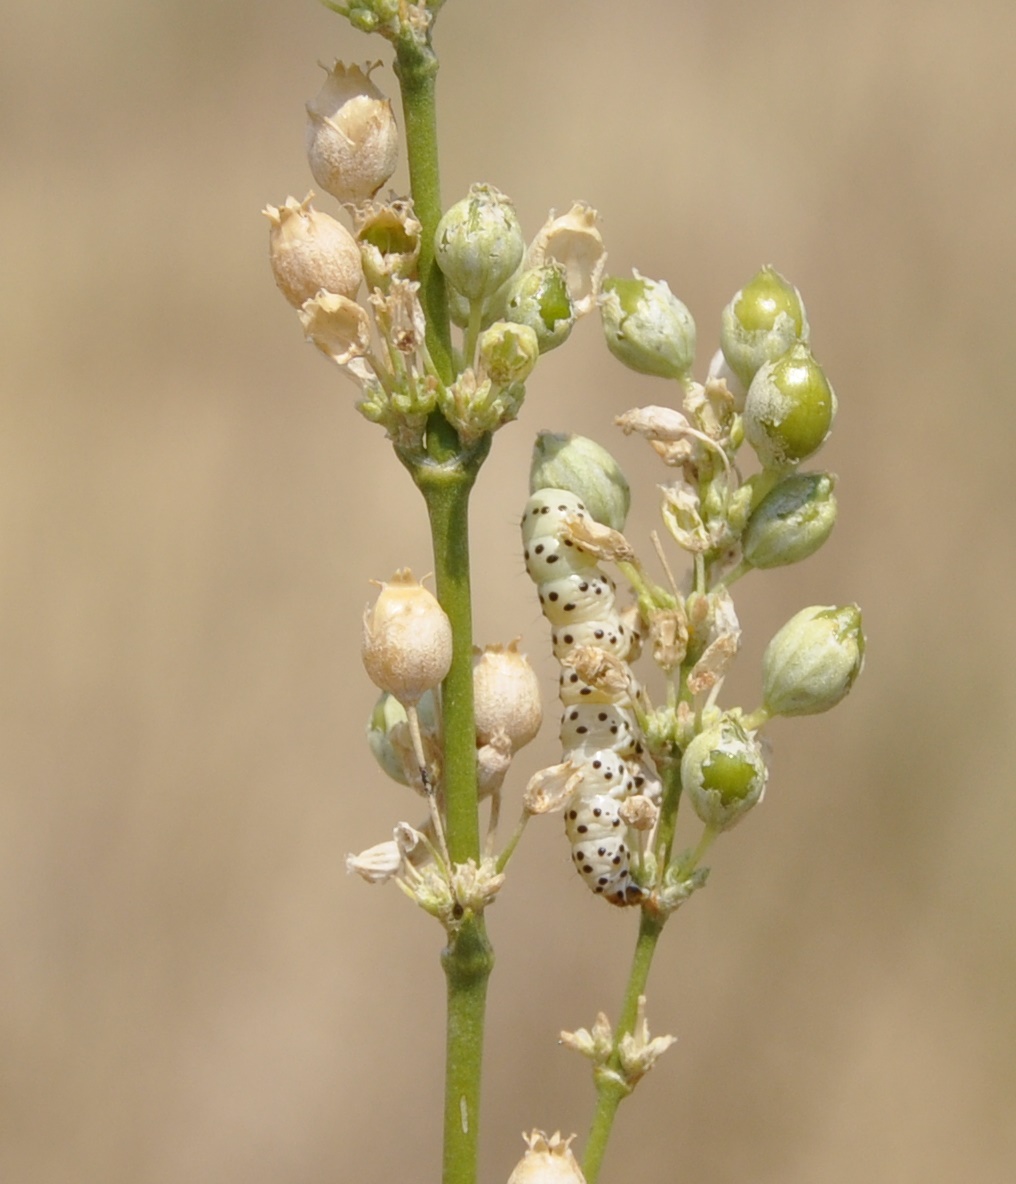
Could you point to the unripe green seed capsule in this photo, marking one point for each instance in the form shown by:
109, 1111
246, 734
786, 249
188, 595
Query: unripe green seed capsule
478, 243
388, 722
813, 661
791, 522
763, 321
646, 327
538, 297
723, 773
789, 409
583, 467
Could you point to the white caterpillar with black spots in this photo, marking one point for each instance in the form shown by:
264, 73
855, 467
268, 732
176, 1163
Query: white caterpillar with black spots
600, 736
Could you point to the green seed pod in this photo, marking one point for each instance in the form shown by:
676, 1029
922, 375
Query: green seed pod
723, 773
789, 409
813, 661
478, 243
507, 352
580, 465
647, 327
388, 734
791, 522
538, 297
763, 321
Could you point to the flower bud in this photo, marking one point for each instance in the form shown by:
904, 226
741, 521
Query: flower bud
723, 773
789, 409
506, 695
407, 639
352, 138
309, 251
812, 662
478, 243
548, 1160
647, 327
538, 297
388, 236
507, 352
763, 321
389, 738
475, 406
576, 463
791, 522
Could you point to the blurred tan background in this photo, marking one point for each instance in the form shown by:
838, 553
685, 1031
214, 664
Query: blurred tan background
190, 510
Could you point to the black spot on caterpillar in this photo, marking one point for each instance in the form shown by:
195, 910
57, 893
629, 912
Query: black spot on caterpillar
599, 733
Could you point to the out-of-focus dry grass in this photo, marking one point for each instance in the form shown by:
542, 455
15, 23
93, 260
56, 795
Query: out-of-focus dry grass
190, 510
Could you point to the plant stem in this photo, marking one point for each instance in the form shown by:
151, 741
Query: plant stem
446, 479
446, 489
468, 958
416, 69
610, 1086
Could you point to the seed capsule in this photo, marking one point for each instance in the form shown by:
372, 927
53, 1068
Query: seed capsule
548, 1160
792, 521
352, 138
789, 409
647, 327
310, 251
507, 696
407, 639
723, 773
763, 321
538, 297
583, 467
478, 243
813, 661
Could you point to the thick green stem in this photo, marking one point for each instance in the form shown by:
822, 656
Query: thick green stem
610, 1087
446, 479
468, 961
468, 958
446, 489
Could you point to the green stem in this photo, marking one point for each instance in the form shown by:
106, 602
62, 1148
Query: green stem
468, 958
446, 479
416, 68
610, 1087
668, 812
446, 489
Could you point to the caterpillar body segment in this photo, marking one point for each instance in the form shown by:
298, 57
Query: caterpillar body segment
600, 736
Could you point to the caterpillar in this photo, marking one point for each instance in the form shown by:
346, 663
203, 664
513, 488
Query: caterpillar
600, 736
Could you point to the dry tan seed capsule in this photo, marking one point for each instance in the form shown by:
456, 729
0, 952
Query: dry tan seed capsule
352, 138
310, 251
407, 639
507, 695
548, 1160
